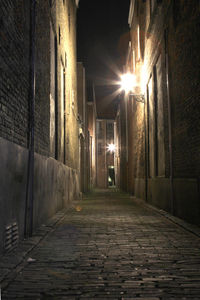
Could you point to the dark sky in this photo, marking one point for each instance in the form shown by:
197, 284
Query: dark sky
102, 41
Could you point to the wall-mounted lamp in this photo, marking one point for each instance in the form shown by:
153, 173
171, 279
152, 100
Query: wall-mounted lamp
128, 82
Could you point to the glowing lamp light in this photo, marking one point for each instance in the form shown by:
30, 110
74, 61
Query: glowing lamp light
111, 148
127, 82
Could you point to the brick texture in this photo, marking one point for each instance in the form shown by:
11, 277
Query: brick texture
185, 88
108, 246
14, 69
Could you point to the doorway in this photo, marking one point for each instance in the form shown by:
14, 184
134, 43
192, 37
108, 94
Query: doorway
111, 176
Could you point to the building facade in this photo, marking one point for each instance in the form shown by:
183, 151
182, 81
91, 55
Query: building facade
92, 116
160, 117
105, 154
39, 144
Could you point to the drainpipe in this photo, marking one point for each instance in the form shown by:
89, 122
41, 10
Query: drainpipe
126, 118
169, 124
28, 221
145, 153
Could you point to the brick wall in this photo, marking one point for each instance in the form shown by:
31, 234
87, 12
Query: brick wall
63, 16
136, 139
14, 69
169, 69
42, 84
184, 57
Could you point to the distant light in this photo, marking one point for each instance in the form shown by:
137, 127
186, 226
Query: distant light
111, 148
127, 82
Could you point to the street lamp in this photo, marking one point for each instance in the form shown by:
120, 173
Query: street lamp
111, 148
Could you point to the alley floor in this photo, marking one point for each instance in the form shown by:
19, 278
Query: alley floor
107, 246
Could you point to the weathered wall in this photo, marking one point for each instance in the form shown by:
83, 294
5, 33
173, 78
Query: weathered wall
55, 187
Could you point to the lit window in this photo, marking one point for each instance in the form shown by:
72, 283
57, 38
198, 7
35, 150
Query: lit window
133, 61
138, 31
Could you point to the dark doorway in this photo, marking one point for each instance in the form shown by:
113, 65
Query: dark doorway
111, 176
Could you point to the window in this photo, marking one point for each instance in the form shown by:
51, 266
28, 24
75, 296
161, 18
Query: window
151, 129
156, 149
159, 120
69, 16
133, 61
138, 36
63, 112
99, 148
59, 35
110, 131
99, 130
53, 97
152, 6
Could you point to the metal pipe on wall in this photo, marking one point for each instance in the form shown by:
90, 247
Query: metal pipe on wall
145, 154
169, 124
28, 221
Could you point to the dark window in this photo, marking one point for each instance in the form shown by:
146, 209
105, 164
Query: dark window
99, 148
152, 5
110, 131
99, 130
159, 119
69, 16
59, 35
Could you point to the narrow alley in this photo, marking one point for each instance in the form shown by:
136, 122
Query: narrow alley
99, 150
107, 246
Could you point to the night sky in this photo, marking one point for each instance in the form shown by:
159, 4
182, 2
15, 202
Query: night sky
102, 41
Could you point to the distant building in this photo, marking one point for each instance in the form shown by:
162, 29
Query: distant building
92, 116
87, 130
105, 153
39, 146
83, 129
160, 138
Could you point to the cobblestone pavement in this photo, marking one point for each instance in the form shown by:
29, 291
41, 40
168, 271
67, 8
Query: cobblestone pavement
108, 246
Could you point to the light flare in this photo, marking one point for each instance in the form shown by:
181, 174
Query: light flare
111, 148
127, 82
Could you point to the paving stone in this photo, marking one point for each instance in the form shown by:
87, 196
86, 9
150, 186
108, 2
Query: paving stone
116, 247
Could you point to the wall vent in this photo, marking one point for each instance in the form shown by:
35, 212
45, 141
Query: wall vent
11, 237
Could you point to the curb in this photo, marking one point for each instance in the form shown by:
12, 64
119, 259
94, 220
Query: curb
187, 226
